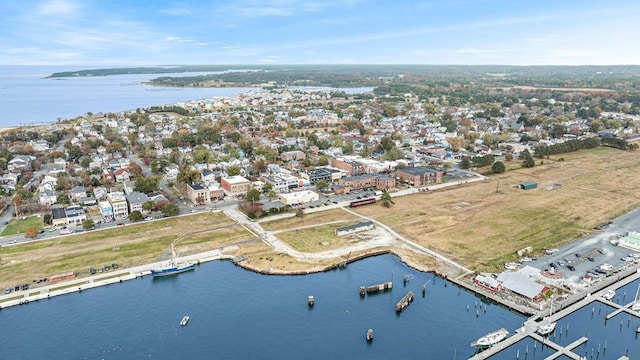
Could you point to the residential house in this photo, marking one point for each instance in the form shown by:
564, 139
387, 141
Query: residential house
171, 172
106, 210
47, 197
20, 163
135, 201
119, 204
76, 193
75, 215
121, 175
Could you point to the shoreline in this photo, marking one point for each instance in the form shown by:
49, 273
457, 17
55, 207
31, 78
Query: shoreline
114, 277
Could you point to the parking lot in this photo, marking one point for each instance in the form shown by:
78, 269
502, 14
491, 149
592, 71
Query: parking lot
587, 254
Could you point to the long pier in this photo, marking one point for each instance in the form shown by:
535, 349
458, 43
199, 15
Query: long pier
404, 302
571, 305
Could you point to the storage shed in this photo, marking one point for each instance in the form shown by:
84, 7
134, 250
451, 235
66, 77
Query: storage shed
528, 185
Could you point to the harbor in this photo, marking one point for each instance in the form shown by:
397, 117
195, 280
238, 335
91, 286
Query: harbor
207, 294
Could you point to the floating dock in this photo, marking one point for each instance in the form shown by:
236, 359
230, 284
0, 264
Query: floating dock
404, 302
376, 288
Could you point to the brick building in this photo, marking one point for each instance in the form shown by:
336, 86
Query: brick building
419, 175
235, 185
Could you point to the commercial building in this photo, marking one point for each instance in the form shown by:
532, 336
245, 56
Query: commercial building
367, 182
363, 226
299, 197
351, 167
235, 185
201, 194
419, 175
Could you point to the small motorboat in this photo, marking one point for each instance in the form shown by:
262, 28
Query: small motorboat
184, 321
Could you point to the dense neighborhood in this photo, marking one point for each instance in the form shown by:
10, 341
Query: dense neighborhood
285, 144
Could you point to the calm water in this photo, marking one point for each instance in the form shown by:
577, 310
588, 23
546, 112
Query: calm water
26, 98
237, 314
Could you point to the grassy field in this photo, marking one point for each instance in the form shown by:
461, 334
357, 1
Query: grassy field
321, 237
127, 246
19, 226
481, 227
308, 219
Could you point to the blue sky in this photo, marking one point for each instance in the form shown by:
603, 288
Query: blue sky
161, 32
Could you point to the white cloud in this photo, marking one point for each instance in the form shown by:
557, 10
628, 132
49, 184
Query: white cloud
57, 7
176, 11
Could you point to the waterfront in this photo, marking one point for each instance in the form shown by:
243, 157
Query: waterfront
236, 313
26, 98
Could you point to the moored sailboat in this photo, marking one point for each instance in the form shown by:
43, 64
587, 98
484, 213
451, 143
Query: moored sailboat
636, 302
491, 338
547, 326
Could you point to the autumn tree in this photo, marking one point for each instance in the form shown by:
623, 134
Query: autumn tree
31, 232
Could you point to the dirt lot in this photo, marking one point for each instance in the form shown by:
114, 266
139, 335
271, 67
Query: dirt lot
482, 228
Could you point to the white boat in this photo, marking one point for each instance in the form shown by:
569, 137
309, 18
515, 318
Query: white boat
512, 265
369, 334
636, 302
172, 267
491, 338
609, 294
184, 321
547, 326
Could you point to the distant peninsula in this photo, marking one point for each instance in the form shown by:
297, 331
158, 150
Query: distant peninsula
426, 77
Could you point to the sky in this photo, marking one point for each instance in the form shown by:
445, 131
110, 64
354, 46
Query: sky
469, 32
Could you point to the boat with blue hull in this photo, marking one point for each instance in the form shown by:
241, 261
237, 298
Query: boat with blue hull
172, 267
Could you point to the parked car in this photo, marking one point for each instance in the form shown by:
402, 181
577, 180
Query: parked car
65, 232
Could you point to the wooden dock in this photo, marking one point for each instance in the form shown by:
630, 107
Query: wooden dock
376, 288
570, 305
404, 302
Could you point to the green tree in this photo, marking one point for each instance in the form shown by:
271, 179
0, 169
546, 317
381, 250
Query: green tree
299, 212
149, 206
146, 184
527, 159
267, 187
385, 199
465, 163
135, 216
233, 170
88, 224
170, 209
321, 185
253, 195
46, 219
272, 194
498, 167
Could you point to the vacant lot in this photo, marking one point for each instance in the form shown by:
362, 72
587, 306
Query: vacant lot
128, 246
481, 227
295, 222
18, 227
